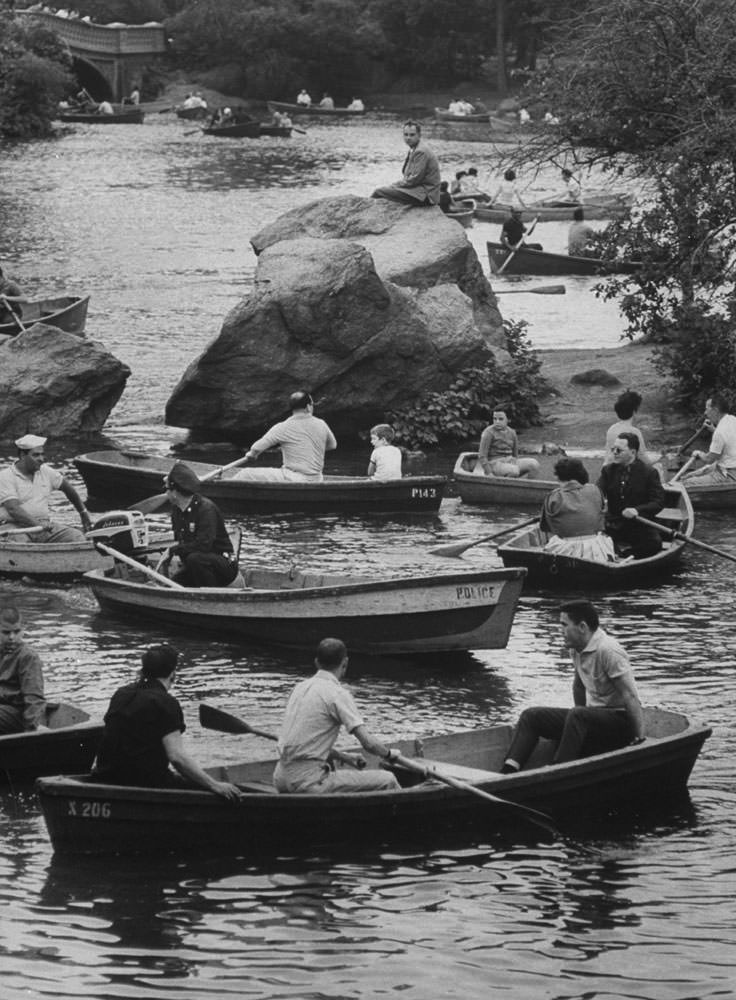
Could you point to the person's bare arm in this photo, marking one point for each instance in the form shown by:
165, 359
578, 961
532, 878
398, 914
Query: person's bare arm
77, 503
190, 769
625, 687
369, 743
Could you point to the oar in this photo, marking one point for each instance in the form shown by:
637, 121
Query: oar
542, 290
301, 131
683, 470
695, 437
532, 815
510, 257
151, 504
457, 548
685, 538
194, 131
214, 718
21, 531
158, 577
12, 312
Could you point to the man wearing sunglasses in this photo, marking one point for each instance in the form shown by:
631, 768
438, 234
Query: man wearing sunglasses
631, 488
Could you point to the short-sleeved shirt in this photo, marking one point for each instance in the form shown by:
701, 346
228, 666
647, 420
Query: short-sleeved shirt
21, 684
303, 440
723, 442
33, 493
316, 710
137, 719
602, 660
387, 459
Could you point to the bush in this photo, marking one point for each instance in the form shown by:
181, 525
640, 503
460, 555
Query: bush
461, 411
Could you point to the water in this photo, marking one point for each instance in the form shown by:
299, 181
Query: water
156, 225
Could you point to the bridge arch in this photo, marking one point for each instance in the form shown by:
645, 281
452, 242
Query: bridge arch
91, 79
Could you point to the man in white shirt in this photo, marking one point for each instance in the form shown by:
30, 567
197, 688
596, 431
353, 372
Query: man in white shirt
720, 459
303, 440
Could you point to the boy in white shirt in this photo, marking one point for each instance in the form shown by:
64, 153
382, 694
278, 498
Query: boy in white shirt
385, 461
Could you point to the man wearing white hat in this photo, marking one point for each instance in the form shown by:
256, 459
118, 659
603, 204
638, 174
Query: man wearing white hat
25, 489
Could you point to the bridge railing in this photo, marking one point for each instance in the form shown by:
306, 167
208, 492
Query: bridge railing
129, 39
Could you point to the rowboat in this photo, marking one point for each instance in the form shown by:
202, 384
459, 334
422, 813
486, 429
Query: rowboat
192, 114
66, 312
559, 213
477, 488
563, 572
463, 215
123, 115
405, 615
278, 131
443, 115
313, 109
84, 816
238, 130
70, 744
128, 477
716, 496
526, 261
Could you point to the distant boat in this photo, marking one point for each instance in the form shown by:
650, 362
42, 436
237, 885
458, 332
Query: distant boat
463, 213
65, 312
483, 489
236, 130
69, 744
527, 261
615, 208
123, 115
443, 115
192, 114
313, 109
280, 131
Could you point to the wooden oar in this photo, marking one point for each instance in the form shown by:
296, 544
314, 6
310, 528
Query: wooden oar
532, 815
511, 256
151, 504
13, 313
542, 290
158, 577
457, 548
214, 718
22, 531
683, 470
301, 131
695, 437
194, 131
685, 538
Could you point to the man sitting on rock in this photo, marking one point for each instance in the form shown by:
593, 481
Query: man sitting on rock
303, 440
420, 182
25, 489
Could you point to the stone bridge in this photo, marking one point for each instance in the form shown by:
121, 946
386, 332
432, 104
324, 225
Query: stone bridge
108, 59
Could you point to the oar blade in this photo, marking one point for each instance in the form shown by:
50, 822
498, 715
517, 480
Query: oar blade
451, 550
214, 718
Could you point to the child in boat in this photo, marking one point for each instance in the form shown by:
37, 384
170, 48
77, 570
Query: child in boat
385, 460
498, 452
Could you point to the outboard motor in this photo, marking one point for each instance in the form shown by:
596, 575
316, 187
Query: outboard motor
124, 530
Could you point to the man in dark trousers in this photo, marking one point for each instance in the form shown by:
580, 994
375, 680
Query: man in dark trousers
631, 487
202, 542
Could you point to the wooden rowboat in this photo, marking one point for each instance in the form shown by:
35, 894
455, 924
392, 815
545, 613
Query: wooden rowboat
717, 496
313, 109
70, 744
568, 572
192, 114
560, 213
238, 130
482, 489
277, 131
128, 477
464, 214
526, 261
123, 115
86, 817
66, 312
405, 615
443, 115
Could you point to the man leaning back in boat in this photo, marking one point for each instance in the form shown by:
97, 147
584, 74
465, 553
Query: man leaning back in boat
25, 490
316, 711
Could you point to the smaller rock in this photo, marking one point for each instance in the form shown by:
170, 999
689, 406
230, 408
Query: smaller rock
595, 376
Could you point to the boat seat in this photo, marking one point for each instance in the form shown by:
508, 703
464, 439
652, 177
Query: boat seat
670, 514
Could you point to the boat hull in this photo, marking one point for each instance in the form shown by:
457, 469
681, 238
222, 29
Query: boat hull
449, 613
484, 490
610, 210
277, 131
133, 117
54, 561
443, 115
65, 312
314, 110
719, 496
70, 745
84, 817
526, 261
127, 478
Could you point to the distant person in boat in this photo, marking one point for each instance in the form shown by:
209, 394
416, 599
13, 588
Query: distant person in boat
572, 195
572, 514
631, 487
720, 459
316, 711
512, 232
203, 550
194, 101
498, 452
22, 702
135, 97
446, 202
385, 460
303, 440
9, 288
327, 102
457, 183
420, 181
25, 490
607, 712
303, 98
105, 108
626, 407
470, 184
356, 105
579, 234
524, 116
479, 108
142, 739
507, 194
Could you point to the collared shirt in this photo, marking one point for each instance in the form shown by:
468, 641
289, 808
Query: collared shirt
723, 442
602, 660
33, 492
21, 684
303, 440
316, 710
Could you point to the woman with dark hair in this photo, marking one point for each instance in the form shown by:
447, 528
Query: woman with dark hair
573, 516
626, 406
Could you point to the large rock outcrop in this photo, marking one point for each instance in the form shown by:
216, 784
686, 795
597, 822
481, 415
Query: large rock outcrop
362, 301
55, 383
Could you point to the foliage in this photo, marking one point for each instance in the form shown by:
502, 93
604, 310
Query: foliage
463, 409
34, 76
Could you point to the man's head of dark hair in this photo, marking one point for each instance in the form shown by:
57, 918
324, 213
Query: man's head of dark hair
331, 653
632, 440
581, 611
159, 661
571, 468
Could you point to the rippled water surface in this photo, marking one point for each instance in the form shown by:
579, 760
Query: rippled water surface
155, 224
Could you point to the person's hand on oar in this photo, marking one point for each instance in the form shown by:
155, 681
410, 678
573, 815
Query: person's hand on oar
457, 548
518, 246
134, 564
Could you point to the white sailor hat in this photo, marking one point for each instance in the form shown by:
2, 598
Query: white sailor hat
30, 441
